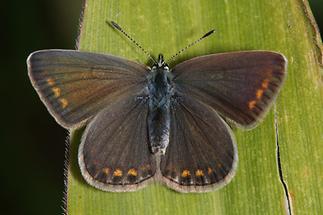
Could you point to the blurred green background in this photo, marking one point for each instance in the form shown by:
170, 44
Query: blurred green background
32, 144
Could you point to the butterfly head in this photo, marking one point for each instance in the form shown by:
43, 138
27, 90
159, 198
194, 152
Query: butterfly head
161, 63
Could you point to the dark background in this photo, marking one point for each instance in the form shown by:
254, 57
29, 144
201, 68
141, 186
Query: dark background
32, 144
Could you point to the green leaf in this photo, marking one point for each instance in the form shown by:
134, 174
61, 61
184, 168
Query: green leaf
296, 127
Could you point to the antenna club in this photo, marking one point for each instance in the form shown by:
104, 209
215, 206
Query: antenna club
191, 44
114, 24
118, 27
208, 33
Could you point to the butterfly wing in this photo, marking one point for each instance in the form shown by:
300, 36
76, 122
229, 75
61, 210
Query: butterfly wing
114, 153
240, 85
75, 85
201, 154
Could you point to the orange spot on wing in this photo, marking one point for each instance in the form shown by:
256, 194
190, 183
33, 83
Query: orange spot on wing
64, 103
199, 172
50, 82
106, 170
56, 91
117, 173
132, 172
265, 84
209, 170
259, 93
186, 173
252, 104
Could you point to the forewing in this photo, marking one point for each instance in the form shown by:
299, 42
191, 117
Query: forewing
240, 85
201, 155
114, 153
75, 85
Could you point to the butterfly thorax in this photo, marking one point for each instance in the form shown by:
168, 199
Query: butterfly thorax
160, 93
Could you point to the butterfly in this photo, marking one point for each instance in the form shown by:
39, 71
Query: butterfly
157, 124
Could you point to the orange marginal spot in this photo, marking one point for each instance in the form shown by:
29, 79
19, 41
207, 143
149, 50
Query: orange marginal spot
209, 170
56, 91
132, 172
106, 170
186, 173
265, 84
117, 173
50, 82
199, 172
63, 102
252, 104
259, 93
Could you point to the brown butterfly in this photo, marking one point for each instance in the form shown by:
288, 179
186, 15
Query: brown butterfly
157, 123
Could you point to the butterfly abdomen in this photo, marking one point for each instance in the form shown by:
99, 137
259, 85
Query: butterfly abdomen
160, 92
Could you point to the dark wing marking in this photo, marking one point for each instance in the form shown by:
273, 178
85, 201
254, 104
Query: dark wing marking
240, 85
201, 154
75, 85
114, 153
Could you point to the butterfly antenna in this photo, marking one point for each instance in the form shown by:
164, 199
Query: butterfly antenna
190, 45
118, 27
